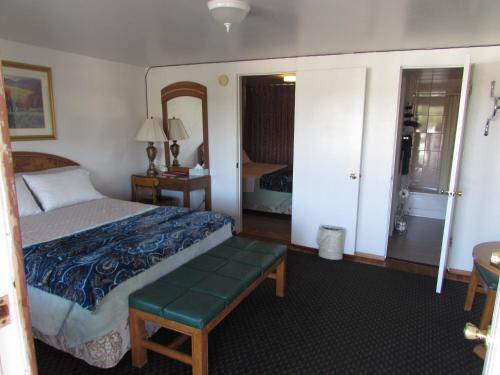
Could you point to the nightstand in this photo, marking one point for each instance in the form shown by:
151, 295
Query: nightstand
185, 184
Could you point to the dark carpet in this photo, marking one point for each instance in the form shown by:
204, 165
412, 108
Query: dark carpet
337, 318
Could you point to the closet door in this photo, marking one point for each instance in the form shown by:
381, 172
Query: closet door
329, 109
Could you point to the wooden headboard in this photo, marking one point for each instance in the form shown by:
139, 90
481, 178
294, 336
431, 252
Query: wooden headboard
25, 161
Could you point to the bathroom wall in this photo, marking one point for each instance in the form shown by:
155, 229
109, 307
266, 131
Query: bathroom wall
434, 94
430, 205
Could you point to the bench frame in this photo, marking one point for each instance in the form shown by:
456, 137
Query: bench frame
199, 337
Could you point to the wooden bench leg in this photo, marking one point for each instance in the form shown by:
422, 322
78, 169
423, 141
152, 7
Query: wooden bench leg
488, 309
137, 334
471, 291
199, 352
280, 279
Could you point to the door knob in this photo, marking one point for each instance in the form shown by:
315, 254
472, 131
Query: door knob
353, 176
456, 193
471, 332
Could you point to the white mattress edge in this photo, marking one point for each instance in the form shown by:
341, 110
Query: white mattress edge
79, 325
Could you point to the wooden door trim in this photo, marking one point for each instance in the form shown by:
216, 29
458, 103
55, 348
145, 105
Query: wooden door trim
13, 222
192, 89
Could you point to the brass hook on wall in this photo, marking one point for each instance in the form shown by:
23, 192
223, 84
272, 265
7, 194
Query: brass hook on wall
495, 107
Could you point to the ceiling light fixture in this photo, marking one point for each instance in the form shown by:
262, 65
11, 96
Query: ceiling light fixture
228, 12
289, 78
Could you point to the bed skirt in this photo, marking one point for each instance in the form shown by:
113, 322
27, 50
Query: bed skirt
105, 351
268, 201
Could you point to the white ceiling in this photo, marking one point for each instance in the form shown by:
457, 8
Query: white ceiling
168, 32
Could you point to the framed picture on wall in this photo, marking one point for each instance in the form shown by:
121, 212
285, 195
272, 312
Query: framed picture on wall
30, 101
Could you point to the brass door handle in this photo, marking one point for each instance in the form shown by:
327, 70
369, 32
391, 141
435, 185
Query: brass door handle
4, 311
353, 176
471, 332
456, 193
495, 257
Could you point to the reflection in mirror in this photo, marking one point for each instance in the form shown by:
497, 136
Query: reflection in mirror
187, 101
176, 132
189, 110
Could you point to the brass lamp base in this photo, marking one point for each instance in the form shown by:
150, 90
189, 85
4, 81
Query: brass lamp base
175, 148
151, 151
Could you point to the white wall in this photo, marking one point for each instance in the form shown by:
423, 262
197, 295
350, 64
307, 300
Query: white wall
99, 107
478, 211
222, 118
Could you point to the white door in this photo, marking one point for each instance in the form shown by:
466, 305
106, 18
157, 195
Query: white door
454, 174
329, 108
13, 345
16, 346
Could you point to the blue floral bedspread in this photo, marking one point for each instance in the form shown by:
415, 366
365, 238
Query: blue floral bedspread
86, 266
281, 180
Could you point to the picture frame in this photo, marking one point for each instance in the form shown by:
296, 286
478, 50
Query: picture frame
30, 101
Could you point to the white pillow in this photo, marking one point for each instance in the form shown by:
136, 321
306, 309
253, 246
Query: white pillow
60, 189
26, 203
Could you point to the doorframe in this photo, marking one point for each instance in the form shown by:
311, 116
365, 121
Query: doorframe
396, 152
239, 145
19, 329
239, 139
395, 143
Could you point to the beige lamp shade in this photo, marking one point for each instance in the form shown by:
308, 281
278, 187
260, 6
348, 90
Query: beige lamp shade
176, 130
151, 131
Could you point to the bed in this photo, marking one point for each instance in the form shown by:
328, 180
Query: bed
267, 187
83, 260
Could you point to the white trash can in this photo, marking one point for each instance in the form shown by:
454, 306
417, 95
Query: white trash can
331, 242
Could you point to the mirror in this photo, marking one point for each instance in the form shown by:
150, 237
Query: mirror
186, 101
189, 110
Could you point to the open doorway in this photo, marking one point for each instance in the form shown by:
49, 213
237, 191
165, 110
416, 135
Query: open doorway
426, 134
268, 110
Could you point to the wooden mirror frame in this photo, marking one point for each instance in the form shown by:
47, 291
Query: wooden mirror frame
176, 90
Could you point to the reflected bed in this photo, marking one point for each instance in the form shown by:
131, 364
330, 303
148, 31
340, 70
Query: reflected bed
267, 187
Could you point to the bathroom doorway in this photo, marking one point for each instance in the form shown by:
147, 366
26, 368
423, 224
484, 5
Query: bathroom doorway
426, 134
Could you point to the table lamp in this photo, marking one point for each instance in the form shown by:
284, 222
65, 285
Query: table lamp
151, 131
176, 132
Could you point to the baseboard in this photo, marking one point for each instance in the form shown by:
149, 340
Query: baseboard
369, 256
262, 238
303, 249
458, 275
380, 261
401, 265
365, 258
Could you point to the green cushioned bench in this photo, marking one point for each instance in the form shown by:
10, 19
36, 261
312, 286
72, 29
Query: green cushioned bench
197, 296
